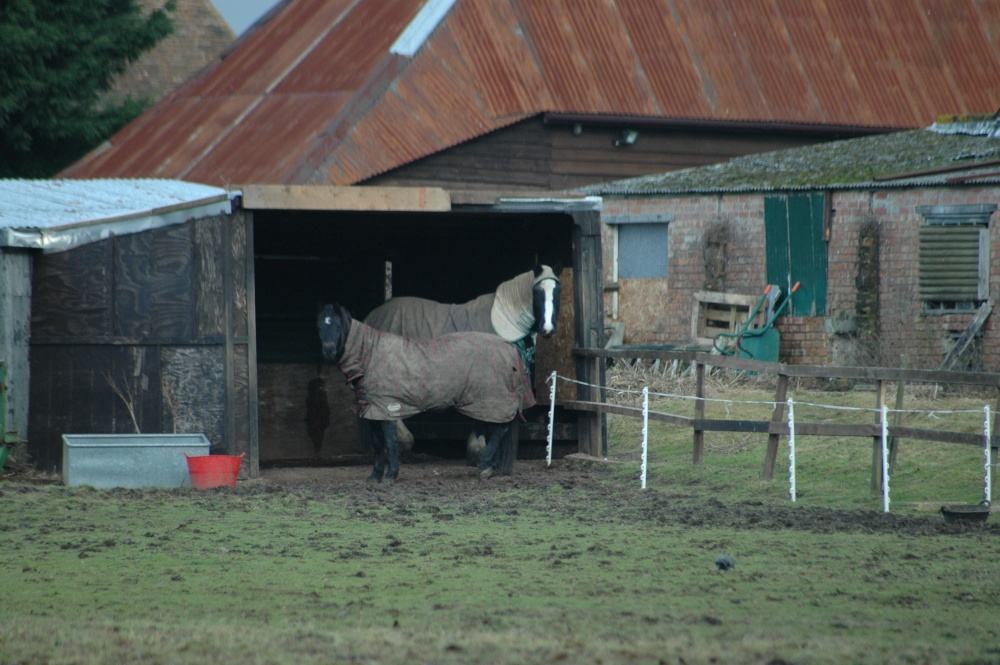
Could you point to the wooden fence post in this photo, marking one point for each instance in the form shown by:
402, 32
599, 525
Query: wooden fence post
897, 420
777, 417
699, 411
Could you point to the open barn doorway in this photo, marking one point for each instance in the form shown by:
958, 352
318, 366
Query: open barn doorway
306, 258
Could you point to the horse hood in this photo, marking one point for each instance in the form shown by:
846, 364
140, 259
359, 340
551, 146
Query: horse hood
510, 314
393, 377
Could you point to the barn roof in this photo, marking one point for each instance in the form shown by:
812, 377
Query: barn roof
339, 91
54, 215
954, 150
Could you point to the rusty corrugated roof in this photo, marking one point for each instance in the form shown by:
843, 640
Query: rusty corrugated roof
314, 94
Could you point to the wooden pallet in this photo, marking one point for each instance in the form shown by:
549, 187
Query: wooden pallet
716, 313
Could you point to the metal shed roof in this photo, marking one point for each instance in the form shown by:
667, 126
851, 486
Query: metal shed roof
54, 215
327, 92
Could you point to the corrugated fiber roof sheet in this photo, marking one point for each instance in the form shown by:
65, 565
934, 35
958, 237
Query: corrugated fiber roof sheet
315, 96
960, 151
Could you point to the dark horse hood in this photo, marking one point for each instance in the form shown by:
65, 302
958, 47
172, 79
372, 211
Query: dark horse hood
478, 374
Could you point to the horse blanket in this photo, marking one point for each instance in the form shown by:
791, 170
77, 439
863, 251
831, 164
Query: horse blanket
506, 313
425, 319
394, 377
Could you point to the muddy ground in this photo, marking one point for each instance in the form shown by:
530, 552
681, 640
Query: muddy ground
452, 482
589, 489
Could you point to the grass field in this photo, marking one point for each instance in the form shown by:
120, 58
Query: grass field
573, 563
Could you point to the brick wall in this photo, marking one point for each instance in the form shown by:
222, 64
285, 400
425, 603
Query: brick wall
882, 262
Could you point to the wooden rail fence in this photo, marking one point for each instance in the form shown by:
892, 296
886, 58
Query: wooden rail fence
591, 401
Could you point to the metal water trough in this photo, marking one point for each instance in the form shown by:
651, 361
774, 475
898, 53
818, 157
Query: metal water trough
130, 460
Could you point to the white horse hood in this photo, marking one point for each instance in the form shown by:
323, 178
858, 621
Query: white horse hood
511, 314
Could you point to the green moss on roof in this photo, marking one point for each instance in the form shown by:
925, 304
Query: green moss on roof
851, 163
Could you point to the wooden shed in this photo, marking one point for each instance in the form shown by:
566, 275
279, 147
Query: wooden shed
131, 304
358, 245
209, 324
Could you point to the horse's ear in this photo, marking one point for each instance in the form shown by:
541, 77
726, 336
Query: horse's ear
540, 267
344, 313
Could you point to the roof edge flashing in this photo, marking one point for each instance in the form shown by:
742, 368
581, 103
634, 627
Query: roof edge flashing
69, 236
421, 27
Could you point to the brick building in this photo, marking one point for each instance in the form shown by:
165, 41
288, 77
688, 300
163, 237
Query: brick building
892, 239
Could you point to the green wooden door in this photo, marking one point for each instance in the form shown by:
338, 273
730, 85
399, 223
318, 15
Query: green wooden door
796, 249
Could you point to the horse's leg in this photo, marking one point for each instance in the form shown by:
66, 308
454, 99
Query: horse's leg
475, 444
404, 439
377, 430
366, 429
506, 455
494, 434
389, 433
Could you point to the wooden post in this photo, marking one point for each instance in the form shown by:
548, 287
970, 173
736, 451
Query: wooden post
876, 483
897, 420
588, 302
777, 417
699, 412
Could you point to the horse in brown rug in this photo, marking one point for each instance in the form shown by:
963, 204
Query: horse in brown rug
525, 305
520, 309
478, 374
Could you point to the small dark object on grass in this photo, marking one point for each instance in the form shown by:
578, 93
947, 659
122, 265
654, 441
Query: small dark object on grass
724, 562
966, 512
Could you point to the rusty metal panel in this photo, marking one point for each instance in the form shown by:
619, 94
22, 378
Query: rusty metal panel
165, 141
497, 55
834, 89
586, 57
269, 143
346, 56
663, 53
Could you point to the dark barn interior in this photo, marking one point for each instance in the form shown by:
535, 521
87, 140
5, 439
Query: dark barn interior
304, 259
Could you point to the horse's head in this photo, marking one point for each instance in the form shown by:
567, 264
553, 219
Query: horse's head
545, 299
334, 323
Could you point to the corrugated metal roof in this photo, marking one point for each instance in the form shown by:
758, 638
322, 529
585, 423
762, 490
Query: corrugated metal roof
58, 214
949, 152
315, 96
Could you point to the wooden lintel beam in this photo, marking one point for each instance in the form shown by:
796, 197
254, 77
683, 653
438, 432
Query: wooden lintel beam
316, 197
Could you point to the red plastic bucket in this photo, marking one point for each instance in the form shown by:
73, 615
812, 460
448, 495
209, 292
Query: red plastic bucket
208, 471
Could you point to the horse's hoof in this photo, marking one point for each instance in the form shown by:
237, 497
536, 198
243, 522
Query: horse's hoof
390, 480
486, 474
374, 479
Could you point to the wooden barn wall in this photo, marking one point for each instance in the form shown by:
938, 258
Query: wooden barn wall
15, 308
156, 321
658, 311
533, 156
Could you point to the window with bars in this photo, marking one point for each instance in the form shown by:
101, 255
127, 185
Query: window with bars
954, 270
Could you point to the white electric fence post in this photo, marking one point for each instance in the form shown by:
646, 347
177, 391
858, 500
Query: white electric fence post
791, 448
988, 475
552, 418
645, 432
885, 458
